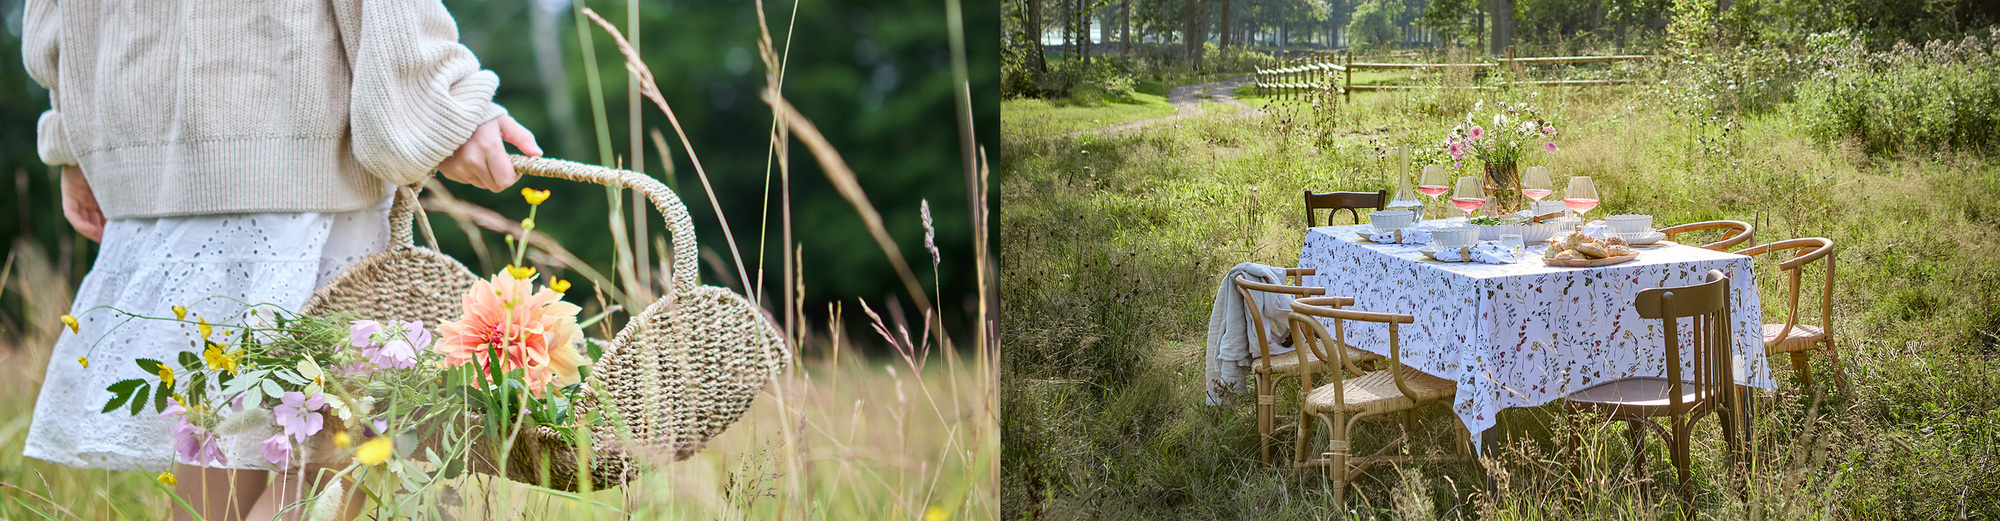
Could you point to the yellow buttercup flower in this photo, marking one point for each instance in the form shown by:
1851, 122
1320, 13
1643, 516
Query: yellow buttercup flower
168, 479
180, 313
559, 285
521, 273
528, 224
70, 321
219, 360
936, 514
85, 362
166, 375
342, 440
375, 451
534, 197
204, 328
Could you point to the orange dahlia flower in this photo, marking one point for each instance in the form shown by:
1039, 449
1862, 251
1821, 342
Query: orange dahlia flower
535, 331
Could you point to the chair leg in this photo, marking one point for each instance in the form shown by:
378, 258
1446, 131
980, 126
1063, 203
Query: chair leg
1839, 370
1266, 400
1804, 370
1679, 443
1337, 450
1299, 457
1635, 434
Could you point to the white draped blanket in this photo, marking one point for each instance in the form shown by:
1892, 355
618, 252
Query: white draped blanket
1229, 328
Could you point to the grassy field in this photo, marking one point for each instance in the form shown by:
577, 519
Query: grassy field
875, 441
1063, 116
1113, 247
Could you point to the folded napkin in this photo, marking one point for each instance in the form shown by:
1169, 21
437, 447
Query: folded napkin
1410, 235
1486, 252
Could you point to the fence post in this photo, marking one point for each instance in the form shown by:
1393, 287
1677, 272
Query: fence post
1347, 78
1513, 68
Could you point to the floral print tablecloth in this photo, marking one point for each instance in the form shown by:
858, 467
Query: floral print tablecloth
1524, 334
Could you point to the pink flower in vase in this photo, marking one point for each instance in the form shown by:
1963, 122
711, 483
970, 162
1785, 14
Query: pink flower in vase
1548, 131
1478, 132
1549, 147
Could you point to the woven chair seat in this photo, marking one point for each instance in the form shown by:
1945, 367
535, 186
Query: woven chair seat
1802, 337
1376, 392
1288, 363
1637, 397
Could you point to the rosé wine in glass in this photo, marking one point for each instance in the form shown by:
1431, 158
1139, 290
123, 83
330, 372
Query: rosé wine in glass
1580, 205
1433, 190
1536, 193
1468, 204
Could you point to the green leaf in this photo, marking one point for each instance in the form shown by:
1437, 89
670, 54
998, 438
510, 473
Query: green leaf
120, 392
271, 389
239, 383
150, 366
160, 397
139, 399
289, 376
592, 348
190, 361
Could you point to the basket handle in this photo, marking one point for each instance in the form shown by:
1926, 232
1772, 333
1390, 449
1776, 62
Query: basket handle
404, 210
671, 209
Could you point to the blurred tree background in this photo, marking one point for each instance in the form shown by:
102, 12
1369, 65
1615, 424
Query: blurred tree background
874, 76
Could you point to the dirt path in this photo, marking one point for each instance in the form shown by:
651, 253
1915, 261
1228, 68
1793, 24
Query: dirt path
1187, 100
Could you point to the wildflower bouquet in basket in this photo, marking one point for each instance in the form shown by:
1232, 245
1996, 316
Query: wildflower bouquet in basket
394, 407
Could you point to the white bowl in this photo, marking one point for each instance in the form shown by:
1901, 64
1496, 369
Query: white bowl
1530, 233
1628, 223
1386, 220
1456, 236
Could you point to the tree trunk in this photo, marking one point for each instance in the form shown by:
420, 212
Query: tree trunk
1125, 25
1225, 24
1037, 61
1194, 31
1503, 26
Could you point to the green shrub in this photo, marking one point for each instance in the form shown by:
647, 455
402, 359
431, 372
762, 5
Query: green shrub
1945, 95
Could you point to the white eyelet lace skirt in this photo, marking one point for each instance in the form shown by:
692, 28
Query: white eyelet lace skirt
211, 264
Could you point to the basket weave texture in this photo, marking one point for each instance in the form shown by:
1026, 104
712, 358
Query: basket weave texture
679, 373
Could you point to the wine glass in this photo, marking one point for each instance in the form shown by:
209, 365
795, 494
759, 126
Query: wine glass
1433, 182
1535, 183
1469, 195
1582, 195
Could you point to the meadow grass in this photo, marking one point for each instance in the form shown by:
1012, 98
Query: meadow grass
1063, 116
1114, 245
876, 442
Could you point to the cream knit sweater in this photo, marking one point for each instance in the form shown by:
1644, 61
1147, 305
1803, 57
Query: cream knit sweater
183, 107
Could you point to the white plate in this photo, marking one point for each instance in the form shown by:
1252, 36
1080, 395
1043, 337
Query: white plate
1650, 238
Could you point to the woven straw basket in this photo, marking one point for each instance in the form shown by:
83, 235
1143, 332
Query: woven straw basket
678, 374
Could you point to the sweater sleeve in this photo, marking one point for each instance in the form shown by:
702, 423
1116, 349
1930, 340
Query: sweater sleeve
41, 29
417, 94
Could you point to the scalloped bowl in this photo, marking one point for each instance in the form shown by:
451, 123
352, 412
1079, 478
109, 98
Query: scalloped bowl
1530, 234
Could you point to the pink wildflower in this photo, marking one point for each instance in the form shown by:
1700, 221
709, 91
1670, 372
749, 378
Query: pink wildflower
299, 415
277, 450
1549, 147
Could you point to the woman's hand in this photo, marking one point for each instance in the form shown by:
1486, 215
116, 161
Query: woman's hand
79, 204
482, 160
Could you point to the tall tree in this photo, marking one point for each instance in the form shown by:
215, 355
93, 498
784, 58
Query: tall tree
1039, 62
1225, 24
1503, 25
1125, 26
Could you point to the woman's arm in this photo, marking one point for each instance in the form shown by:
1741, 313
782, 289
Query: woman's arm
41, 31
419, 98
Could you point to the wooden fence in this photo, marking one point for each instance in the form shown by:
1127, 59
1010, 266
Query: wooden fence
1333, 73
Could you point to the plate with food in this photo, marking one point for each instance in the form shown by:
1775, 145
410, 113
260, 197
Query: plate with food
1577, 250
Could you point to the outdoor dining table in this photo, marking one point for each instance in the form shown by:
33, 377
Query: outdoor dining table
1524, 334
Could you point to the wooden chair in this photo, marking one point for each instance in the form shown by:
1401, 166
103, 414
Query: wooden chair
1269, 369
1734, 233
1800, 340
1344, 401
1680, 399
1337, 201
